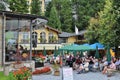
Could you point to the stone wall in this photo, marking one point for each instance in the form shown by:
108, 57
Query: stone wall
0, 39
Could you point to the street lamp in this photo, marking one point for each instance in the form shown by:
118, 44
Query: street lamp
35, 23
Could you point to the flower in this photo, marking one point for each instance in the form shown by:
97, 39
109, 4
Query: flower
22, 73
43, 70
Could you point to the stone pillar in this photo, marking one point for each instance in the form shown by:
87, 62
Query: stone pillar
0, 40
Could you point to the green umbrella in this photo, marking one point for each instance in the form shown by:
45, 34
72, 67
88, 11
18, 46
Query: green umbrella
81, 54
108, 54
74, 53
97, 53
55, 52
44, 52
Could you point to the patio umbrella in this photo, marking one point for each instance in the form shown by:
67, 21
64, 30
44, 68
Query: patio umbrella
44, 52
97, 53
81, 54
108, 54
55, 52
74, 53
99, 45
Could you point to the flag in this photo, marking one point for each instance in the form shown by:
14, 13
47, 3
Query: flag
76, 30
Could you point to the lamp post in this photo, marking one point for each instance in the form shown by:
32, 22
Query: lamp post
35, 23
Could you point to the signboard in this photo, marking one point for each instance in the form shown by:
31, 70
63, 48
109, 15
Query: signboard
67, 74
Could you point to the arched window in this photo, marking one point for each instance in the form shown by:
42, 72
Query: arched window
34, 36
50, 37
42, 37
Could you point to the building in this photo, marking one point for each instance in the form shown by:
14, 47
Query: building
18, 30
10, 27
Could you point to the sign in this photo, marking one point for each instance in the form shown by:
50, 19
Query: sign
67, 74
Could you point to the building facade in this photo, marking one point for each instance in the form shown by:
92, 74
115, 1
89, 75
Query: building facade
12, 25
17, 32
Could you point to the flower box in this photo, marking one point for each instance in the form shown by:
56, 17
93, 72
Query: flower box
39, 64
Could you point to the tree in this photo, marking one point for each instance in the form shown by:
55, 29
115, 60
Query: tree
48, 9
66, 15
2, 7
19, 6
85, 9
91, 34
54, 20
35, 7
106, 27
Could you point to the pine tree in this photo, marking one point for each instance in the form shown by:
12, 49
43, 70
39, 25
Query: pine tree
85, 9
19, 6
35, 7
66, 15
54, 20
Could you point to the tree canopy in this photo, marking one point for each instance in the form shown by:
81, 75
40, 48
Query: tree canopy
19, 6
35, 7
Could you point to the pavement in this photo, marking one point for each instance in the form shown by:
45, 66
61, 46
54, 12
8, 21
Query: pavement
83, 76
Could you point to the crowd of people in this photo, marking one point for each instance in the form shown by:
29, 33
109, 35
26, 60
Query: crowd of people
90, 63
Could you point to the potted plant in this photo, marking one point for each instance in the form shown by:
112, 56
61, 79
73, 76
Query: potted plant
39, 62
56, 69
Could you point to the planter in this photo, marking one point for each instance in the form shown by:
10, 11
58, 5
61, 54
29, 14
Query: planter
38, 64
56, 73
17, 66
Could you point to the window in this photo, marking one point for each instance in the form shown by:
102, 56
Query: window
42, 37
25, 35
50, 37
34, 36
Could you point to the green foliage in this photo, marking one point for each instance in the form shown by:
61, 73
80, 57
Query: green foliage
48, 9
60, 15
19, 6
11, 76
85, 9
91, 35
35, 7
3, 77
107, 22
105, 28
2, 6
116, 8
66, 15
54, 20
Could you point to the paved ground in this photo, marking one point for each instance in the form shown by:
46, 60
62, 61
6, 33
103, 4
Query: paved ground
83, 76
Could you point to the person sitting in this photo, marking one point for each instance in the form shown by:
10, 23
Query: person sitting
80, 69
110, 68
86, 66
91, 63
117, 63
95, 65
75, 66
